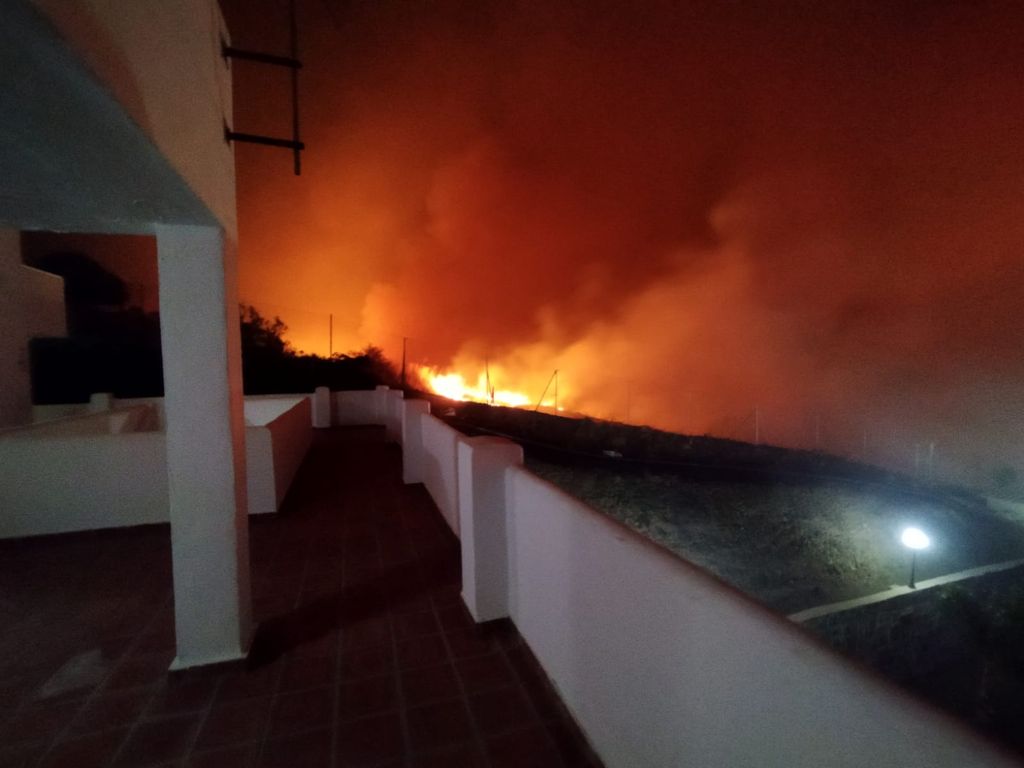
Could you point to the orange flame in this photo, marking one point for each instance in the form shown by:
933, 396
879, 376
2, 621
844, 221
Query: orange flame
455, 387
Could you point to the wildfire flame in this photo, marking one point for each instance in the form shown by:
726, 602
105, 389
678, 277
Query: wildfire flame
455, 387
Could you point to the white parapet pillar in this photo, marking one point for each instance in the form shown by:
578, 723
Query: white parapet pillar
412, 440
395, 411
199, 332
321, 408
100, 402
380, 404
483, 509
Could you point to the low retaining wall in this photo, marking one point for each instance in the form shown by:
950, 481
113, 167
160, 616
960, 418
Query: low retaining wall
109, 469
80, 482
905, 632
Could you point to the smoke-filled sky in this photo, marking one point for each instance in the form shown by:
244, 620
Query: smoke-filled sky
692, 209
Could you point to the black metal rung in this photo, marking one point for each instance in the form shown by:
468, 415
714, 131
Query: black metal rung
228, 52
270, 141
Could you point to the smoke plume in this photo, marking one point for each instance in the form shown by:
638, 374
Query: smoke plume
800, 218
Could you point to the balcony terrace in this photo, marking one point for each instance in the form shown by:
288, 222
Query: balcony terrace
364, 655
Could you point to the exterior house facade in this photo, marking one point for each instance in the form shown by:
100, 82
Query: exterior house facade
112, 122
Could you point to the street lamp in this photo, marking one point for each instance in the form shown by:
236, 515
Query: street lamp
914, 539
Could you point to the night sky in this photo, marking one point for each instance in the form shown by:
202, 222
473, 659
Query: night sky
810, 208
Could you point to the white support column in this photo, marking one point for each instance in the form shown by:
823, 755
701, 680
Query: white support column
412, 440
199, 332
483, 462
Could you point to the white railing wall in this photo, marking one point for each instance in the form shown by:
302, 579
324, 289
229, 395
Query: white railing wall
661, 663
440, 467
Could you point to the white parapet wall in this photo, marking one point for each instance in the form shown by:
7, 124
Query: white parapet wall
108, 470
278, 433
380, 406
353, 408
661, 663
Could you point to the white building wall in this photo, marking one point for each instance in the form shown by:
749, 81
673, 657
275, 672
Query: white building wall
31, 305
162, 62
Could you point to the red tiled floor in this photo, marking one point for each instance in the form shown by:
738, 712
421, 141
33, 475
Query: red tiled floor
159, 741
35, 722
238, 756
180, 694
366, 662
480, 673
235, 722
441, 725
370, 741
500, 710
301, 711
22, 754
527, 748
463, 756
306, 750
308, 672
421, 651
111, 709
426, 684
367, 696
90, 751
415, 624
365, 656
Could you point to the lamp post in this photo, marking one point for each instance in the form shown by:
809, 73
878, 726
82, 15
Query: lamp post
914, 539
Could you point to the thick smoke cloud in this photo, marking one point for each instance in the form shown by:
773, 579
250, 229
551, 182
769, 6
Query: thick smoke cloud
694, 210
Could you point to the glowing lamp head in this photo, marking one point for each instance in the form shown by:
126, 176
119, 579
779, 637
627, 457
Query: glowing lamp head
915, 538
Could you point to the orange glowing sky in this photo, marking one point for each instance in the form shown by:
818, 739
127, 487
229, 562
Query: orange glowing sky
692, 209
